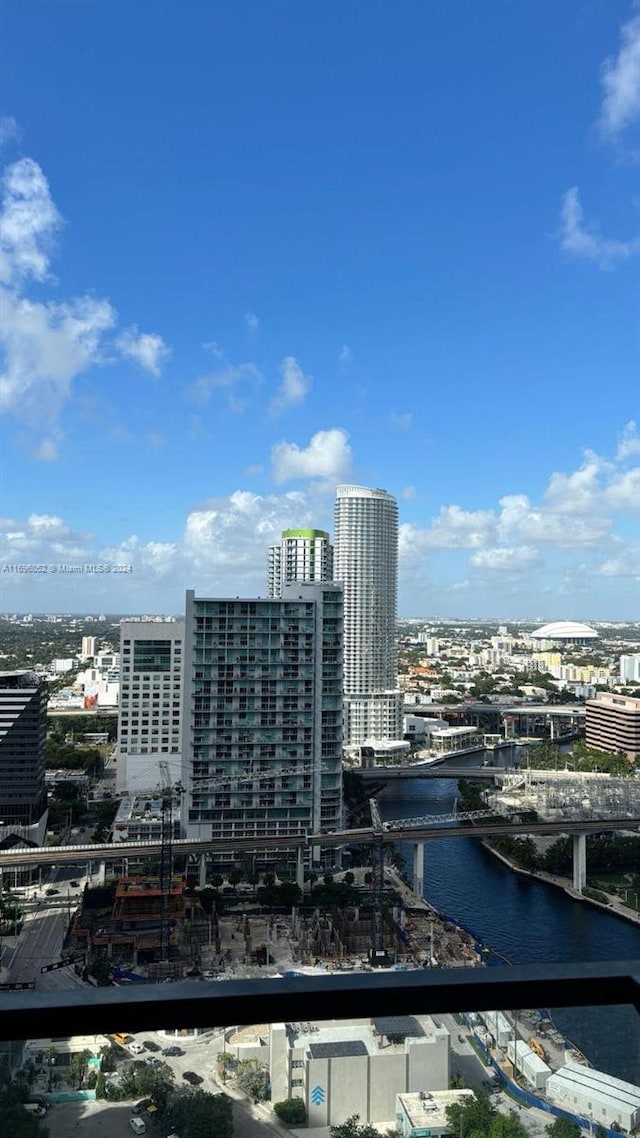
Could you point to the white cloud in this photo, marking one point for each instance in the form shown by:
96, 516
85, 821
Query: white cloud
621, 82
8, 129
409, 493
213, 347
45, 345
623, 492
629, 442
28, 221
457, 528
146, 348
328, 456
346, 355
47, 450
252, 322
504, 559
582, 240
521, 520
253, 469
41, 538
294, 385
403, 420
625, 564
233, 380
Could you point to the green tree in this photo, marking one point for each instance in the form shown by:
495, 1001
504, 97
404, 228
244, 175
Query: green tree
198, 1114
507, 1126
351, 1128
140, 1080
349, 878
473, 1116
252, 1078
101, 1086
291, 1111
78, 1067
563, 1128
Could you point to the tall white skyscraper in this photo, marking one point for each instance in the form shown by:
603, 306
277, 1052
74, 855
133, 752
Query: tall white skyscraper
366, 562
300, 555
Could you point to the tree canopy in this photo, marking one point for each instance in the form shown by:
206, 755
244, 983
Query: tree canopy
198, 1114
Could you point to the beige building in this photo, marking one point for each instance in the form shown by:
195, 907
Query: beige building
613, 723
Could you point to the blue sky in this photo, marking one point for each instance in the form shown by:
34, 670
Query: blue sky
250, 250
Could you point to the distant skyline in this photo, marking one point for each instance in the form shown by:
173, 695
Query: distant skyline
251, 254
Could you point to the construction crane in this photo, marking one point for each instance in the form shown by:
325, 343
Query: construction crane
377, 954
171, 792
168, 795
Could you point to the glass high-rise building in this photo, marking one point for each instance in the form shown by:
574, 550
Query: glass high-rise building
366, 562
263, 693
23, 727
300, 555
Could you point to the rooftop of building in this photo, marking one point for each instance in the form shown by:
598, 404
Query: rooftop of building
310, 534
564, 630
341, 1038
429, 1108
620, 702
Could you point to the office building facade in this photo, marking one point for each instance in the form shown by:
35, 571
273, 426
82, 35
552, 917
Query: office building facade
263, 692
150, 708
300, 555
613, 723
366, 563
23, 727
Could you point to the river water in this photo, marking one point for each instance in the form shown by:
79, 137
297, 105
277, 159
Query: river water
524, 920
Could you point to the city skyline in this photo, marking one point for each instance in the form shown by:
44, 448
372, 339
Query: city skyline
206, 326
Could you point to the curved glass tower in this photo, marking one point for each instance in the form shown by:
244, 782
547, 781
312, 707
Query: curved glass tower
366, 562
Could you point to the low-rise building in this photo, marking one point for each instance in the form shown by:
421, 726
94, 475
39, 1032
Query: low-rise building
423, 1113
345, 1067
596, 1096
139, 819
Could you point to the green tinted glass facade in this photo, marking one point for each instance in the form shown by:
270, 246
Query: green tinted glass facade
152, 655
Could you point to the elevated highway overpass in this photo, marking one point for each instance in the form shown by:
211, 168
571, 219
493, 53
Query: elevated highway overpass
414, 832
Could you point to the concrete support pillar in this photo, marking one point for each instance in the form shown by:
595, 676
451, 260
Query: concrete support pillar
418, 870
125, 866
102, 872
300, 868
579, 862
202, 881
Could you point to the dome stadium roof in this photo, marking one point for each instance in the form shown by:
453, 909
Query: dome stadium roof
565, 630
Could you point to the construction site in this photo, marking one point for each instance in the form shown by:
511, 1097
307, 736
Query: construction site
559, 794
122, 922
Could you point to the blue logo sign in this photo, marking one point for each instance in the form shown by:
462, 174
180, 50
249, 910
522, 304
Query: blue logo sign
317, 1096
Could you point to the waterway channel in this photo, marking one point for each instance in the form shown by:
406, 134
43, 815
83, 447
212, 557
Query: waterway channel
524, 920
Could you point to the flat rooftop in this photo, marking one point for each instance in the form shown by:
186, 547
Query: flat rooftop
364, 1037
429, 1108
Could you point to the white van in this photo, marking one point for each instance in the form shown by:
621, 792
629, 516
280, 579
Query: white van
138, 1125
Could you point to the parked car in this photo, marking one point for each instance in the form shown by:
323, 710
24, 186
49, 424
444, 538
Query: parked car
74, 884
141, 1105
136, 1048
150, 1045
52, 892
40, 1100
191, 1078
137, 1125
171, 1051
151, 1060
35, 1108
